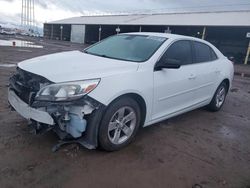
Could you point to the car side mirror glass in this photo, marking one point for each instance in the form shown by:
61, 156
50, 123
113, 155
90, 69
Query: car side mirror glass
169, 64
231, 58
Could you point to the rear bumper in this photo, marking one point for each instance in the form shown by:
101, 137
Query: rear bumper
26, 111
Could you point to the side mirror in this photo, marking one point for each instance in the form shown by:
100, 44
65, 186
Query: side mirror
231, 58
168, 64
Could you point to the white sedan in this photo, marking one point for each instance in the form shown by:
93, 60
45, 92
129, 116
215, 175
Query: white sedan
101, 96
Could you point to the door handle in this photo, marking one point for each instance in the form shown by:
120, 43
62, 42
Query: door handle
217, 71
192, 77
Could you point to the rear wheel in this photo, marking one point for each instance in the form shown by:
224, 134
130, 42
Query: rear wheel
119, 124
218, 98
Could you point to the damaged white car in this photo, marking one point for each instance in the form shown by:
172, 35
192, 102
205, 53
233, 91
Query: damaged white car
102, 95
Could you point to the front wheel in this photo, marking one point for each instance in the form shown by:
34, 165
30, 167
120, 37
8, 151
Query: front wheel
218, 98
119, 124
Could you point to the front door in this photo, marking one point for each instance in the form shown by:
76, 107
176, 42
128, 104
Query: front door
175, 89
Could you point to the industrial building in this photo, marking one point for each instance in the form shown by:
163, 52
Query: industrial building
229, 31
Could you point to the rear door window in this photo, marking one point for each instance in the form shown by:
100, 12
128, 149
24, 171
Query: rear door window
203, 53
213, 55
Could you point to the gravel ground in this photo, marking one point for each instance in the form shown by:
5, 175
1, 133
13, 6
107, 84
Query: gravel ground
196, 149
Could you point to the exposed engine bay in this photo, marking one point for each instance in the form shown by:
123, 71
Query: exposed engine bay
69, 119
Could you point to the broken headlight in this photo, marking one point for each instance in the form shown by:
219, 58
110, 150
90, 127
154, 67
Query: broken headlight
66, 91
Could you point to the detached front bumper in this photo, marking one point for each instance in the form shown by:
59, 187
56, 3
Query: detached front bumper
27, 112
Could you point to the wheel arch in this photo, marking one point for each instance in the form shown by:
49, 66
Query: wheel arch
95, 118
141, 102
226, 80
212, 106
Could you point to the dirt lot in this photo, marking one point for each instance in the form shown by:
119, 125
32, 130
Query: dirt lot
197, 149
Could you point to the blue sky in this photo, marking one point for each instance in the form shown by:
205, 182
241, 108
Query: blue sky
49, 10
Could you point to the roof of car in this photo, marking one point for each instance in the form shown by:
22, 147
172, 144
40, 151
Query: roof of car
165, 35
174, 37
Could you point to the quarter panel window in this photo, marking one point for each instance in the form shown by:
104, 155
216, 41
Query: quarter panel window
179, 52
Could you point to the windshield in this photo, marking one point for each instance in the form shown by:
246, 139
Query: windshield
137, 48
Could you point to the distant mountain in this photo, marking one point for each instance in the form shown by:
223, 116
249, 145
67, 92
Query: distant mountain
9, 25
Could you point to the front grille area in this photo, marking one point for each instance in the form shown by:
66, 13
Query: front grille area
26, 85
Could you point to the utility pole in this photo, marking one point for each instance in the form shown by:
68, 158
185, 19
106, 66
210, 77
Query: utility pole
22, 14
248, 48
248, 54
28, 15
140, 29
100, 33
61, 28
204, 33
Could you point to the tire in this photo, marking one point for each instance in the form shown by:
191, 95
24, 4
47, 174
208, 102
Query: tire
116, 123
218, 98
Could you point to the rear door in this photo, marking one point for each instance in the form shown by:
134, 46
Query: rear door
205, 62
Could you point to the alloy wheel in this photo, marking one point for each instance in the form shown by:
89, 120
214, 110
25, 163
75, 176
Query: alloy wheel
220, 97
122, 125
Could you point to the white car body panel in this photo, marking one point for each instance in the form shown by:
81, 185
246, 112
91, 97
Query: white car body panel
182, 90
167, 93
75, 65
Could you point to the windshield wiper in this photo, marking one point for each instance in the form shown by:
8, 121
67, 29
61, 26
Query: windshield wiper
103, 55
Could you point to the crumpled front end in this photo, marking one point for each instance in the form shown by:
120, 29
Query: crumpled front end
68, 119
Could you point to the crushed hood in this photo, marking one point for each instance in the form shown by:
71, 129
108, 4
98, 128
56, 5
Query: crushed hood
75, 65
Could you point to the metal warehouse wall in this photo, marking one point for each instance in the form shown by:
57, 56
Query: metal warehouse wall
231, 41
57, 31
